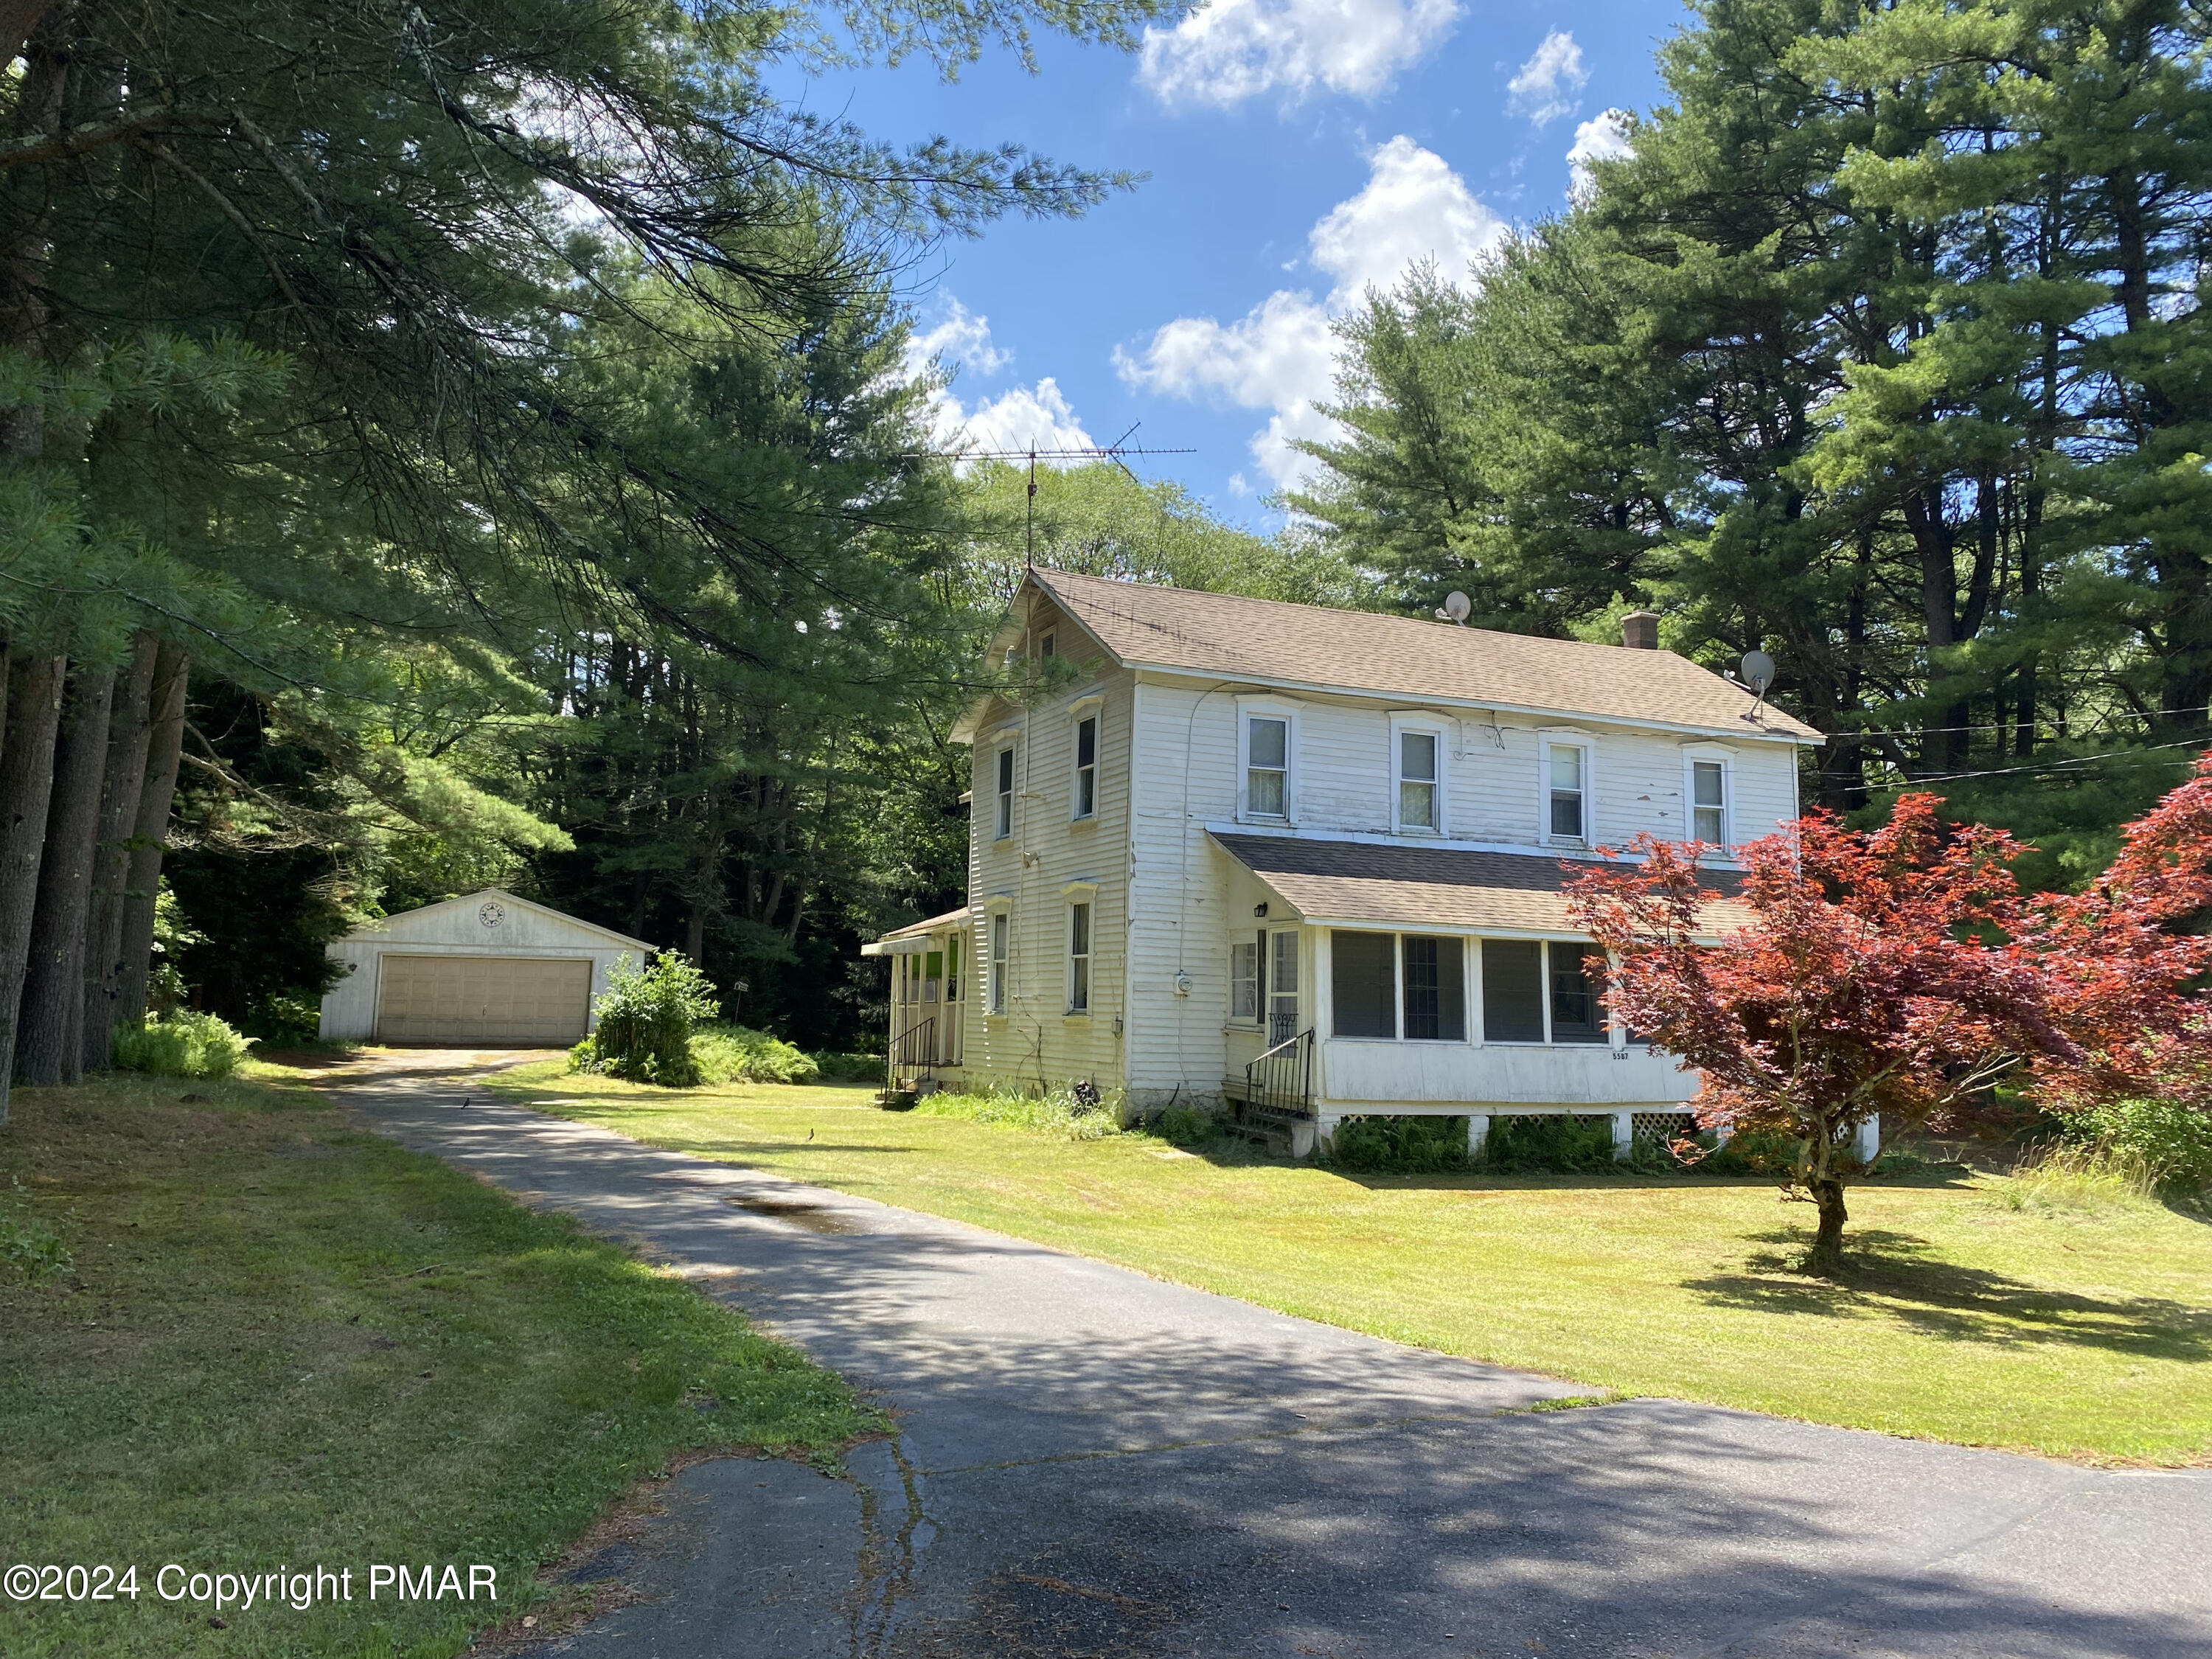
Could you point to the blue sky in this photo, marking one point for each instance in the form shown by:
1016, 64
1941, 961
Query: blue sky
1296, 151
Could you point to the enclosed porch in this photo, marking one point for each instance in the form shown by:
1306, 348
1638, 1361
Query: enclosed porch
928, 965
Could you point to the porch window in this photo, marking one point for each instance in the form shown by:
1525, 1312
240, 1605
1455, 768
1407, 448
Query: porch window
1078, 958
1005, 822
1512, 991
1417, 779
1086, 766
1281, 989
1363, 984
953, 970
999, 920
1576, 1016
1435, 989
932, 975
1709, 803
1244, 980
1567, 788
1266, 767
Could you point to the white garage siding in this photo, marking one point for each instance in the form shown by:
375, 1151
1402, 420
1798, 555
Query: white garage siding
533, 1002
488, 968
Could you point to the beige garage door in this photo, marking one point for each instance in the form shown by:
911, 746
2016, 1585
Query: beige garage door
525, 1001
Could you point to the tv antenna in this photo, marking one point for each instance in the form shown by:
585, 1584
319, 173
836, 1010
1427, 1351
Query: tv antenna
1455, 606
1113, 452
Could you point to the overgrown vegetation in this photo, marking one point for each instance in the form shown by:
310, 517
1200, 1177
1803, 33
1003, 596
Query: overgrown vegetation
1066, 1112
646, 1019
287, 1340
180, 1043
2167, 1142
737, 1054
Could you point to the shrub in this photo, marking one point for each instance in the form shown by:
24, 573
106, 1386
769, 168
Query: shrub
737, 1054
1186, 1126
2170, 1141
288, 1019
646, 1019
1748, 1152
1553, 1142
833, 1066
180, 1044
1401, 1145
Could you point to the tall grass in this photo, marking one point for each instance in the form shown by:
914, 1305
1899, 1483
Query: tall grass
2063, 1178
1058, 1111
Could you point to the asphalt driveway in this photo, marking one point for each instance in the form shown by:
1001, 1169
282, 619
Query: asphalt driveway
1089, 1462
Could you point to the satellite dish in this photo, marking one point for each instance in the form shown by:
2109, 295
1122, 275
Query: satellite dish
1758, 671
1456, 606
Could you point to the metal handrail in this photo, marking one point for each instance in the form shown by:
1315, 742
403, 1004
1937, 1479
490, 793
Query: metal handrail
913, 1050
1280, 1080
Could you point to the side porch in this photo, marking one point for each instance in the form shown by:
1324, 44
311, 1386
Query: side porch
928, 960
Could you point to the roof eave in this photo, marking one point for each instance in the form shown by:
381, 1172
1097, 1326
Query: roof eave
1805, 738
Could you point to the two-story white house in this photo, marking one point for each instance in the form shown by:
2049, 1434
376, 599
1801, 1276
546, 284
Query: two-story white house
1304, 864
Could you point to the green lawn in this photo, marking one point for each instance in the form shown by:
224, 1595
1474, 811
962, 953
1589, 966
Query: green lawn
2079, 1334
283, 1340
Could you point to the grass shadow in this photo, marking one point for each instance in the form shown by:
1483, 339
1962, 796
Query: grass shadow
1898, 1277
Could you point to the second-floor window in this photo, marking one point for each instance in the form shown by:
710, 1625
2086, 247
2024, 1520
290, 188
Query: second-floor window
1566, 793
1417, 779
1078, 958
1086, 766
1266, 767
1709, 803
998, 928
1004, 826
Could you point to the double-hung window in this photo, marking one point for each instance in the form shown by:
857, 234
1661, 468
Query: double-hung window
1079, 957
1004, 826
1244, 978
1418, 776
1709, 803
1086, 767
999, 928
1566, 787
1266, 766
1279, 986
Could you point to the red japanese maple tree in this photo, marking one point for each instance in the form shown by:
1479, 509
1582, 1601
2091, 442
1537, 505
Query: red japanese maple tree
2124, 961
1853, 975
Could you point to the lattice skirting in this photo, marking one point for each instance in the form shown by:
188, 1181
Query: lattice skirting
1661, 1128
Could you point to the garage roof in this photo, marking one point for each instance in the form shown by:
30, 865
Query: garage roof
398, 928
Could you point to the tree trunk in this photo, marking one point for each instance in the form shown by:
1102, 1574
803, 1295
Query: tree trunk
129, 727
26, 780
165, 745
50, 1048
1826, 1258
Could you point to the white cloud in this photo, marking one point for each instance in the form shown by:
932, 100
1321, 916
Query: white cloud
1413, 208
1544, 87
1018, 419
1602, 138
1228, 51
1280, 356
1026, 417
962, 340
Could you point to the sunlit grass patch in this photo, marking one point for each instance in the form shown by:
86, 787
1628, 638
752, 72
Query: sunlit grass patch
1964, 1317
284, 1339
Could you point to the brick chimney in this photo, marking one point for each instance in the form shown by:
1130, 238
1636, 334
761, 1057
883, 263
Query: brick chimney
1639, 630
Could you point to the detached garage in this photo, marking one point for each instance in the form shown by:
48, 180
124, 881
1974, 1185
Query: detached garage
490, 970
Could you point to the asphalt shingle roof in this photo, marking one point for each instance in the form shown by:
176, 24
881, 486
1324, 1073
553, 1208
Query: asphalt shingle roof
1441, 887
1238, 638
